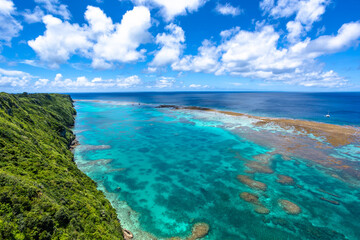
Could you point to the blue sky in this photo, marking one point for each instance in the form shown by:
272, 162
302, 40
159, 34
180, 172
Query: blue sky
182, 45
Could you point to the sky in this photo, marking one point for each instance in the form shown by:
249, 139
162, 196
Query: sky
179, 45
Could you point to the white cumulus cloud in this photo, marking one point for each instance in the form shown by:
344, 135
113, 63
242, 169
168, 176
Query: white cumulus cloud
198, 86
96, 83
98, 21
171, 46
121, 45
255, 54
33, 16
348, 35
171, 9
205, 61
42, 82
9, 27
306, 13
14, 78
128, 82
60, 41
101, 40
164, 82
55, 7
228, 9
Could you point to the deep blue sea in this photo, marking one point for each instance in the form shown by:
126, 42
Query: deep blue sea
344, 108
165, 170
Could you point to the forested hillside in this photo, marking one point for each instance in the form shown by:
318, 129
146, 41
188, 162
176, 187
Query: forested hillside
43, 195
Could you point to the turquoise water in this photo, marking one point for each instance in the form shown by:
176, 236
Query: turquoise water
166, 170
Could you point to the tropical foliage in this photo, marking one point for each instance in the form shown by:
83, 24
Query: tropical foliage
43, 195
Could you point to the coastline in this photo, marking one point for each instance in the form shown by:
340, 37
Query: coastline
267, 130
129, 218
45, 192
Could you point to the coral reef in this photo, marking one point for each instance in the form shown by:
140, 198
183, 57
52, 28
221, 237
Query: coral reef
263, 158
254, 200
252, 183
285, 180
199, 230
249, 197
296, 138
289, 207
262, 210
258, 167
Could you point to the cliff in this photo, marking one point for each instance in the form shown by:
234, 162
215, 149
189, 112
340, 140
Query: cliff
43, 195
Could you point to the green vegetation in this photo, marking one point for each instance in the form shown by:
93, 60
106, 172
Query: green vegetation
43, 195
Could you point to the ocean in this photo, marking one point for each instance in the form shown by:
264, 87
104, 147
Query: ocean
166, 170
344, 108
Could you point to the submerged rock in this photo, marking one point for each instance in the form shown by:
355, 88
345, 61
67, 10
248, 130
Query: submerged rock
289, 207
330, 201
252, 183
329, 193
285, 180
263, 158
258, 167
199, 230
283, 223
254, 200
93, 147
249, 197
262, 210
96, 162
313, 232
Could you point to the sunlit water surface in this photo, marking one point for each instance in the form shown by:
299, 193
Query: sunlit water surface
166, 170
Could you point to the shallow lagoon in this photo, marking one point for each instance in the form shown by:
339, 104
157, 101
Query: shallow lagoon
166, 170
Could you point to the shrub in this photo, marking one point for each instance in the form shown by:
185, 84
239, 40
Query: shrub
39, 182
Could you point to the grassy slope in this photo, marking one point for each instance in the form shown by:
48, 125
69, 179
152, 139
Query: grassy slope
43, 195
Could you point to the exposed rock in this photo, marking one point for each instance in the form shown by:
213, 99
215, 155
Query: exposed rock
289, 207
252, 183
74, 144
285, 180
168, 106
127, 234
198, 108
